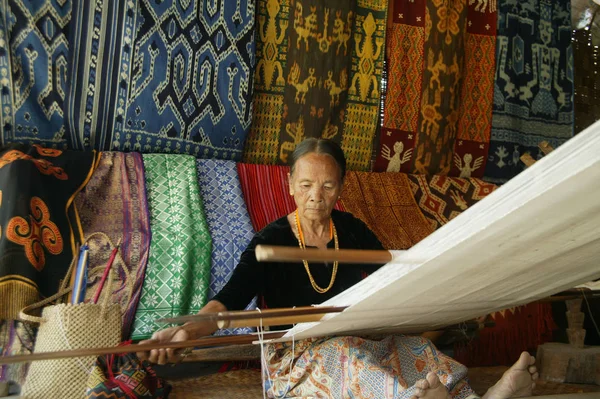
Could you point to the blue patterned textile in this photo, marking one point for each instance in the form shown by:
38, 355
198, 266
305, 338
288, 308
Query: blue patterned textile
228, 222
147, 76
533, 91
34, 72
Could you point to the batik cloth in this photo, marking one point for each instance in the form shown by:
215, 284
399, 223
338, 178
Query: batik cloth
267, 193
352, 367
38, 222
318, 74
129, 75
178, 270
228, 222
384, 201
16, 338
533, 89
114, 203
443, 198
438, 104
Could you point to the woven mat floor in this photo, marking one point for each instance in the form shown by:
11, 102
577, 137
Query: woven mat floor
245, 384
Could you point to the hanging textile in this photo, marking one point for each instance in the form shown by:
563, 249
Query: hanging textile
533, 88
16, 338
267, 193
228, 222
318, 74
442, 198
353, 367
35, 71
518, 329
586, 55
129, 75
178, 270
384, 201
38, 224
114, 202
438, 105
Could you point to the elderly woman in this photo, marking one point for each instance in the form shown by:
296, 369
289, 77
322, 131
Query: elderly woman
395, 367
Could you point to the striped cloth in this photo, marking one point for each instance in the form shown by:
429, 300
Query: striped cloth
178, 269
228, 222
266, 193
114, 203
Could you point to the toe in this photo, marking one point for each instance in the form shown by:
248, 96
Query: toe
535, 376
433, 380
532, 370
418, 392
525, 360
422, 384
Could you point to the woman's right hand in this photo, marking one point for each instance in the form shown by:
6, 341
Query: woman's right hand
165, 355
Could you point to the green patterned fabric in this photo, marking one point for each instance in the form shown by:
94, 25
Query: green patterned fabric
178, 271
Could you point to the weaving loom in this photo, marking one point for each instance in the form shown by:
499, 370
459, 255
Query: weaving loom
535, 236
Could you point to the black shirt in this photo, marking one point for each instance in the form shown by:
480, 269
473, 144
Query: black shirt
287, 284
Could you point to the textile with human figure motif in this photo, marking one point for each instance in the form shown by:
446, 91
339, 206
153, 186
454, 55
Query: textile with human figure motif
38, 226
353, 367
438, 106
533, 87
443, 198
318, 74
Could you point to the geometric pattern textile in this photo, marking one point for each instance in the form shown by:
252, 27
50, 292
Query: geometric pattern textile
353, 367
267, 193
38, 221
384, 201
443, 198
114, 202
318, 74
34, 65
148, 76
438, 107
178, 270
533, 90
228, 222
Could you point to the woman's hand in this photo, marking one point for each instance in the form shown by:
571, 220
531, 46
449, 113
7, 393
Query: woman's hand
165, 355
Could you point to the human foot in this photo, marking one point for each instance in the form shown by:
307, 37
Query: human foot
430, 388
517, 381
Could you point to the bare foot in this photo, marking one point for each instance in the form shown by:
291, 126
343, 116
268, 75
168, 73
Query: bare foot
517, 381
430, 388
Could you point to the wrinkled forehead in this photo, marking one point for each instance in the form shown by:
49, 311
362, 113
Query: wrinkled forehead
317, 166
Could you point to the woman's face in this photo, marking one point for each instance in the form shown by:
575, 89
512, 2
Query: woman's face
316, 185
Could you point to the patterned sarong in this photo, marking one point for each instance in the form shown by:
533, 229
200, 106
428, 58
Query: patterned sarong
178, 270
267, 193
318, 74
352, 367
38, 224
114, 203
228, 222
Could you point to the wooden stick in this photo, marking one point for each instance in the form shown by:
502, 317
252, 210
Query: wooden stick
202, 342
273, 321
256, 314
272, 253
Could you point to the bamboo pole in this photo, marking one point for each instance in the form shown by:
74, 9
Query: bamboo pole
256, 314
273, 321
272, 253
83, 352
